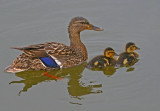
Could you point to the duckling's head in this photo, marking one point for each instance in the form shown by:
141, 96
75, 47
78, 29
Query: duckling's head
130, 47
79, 24
109, 52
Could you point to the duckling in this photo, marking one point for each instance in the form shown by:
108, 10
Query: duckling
103, 61
129, 56
53, 55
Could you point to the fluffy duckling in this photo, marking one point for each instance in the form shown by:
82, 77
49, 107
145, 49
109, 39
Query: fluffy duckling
129, 56
103, 61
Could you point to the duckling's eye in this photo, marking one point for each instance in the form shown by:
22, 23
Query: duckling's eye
132, 47
111, 53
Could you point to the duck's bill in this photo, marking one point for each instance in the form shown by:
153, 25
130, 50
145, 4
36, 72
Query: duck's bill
92, 27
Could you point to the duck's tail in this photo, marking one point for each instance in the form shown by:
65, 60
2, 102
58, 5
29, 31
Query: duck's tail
21, 63
13, 69
18, 48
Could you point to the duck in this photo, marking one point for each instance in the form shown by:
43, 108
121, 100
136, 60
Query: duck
53, 55
129, 55
102, 61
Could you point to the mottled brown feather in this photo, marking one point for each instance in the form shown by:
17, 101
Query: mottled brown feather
66, 56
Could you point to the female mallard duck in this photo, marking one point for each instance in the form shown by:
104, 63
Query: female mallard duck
129, 55
102, 61
52, 55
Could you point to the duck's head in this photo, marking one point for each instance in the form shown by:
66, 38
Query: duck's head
130, 47
79, 24
109, 52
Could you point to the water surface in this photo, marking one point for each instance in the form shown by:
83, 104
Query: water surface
135, 88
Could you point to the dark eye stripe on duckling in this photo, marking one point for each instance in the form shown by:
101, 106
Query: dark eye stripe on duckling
110, 52
132, 46
49, 62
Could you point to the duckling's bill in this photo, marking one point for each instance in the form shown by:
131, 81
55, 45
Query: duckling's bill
116, 54
137, 48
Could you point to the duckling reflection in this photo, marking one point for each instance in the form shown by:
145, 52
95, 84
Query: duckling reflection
75, 86
105, 63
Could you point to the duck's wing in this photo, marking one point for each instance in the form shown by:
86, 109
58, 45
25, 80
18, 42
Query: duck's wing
64, 56
61, 55
41, 50
37, 50
31, 59
59, 49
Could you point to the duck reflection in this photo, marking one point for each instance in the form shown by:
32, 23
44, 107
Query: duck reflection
30, 78
76, 88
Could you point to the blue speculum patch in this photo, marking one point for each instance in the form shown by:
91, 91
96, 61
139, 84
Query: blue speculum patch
49, 62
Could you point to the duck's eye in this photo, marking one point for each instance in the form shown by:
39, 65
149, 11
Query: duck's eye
83, 22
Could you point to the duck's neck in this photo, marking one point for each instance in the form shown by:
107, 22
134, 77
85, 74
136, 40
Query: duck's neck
76, 44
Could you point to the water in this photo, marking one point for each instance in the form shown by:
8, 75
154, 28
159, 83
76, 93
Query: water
24, 22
